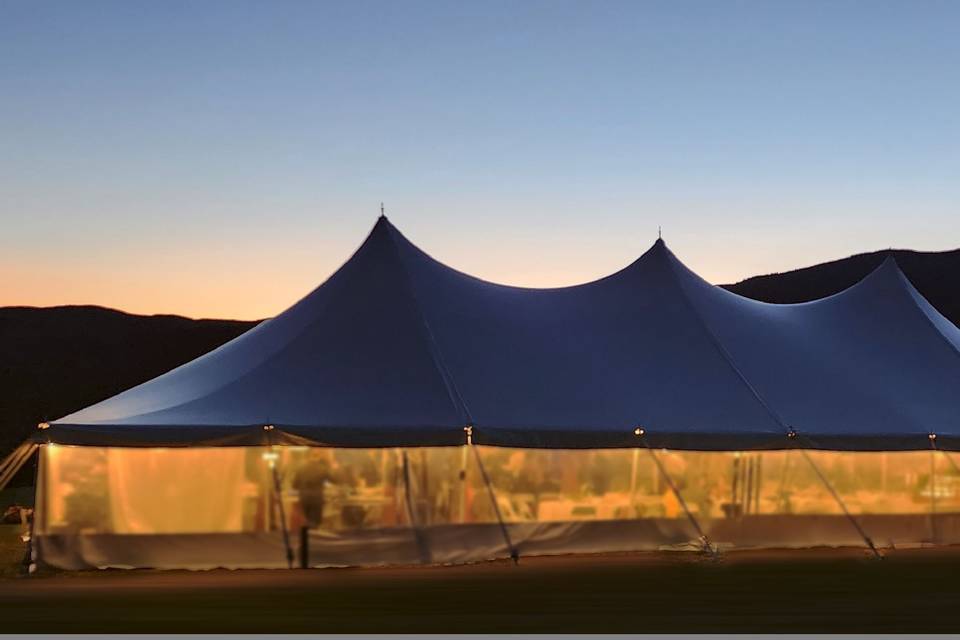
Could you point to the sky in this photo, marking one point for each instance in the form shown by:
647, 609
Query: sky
221, 159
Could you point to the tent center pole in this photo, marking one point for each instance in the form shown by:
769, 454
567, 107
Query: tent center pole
704, 540
514, 555
843, 506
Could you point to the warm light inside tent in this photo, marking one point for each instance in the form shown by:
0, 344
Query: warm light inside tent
770, 498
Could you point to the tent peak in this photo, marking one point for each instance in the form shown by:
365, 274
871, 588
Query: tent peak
383, 226
659, 248
890, 260
889, 265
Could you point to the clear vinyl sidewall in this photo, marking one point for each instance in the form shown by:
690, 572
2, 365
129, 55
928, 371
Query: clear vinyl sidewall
218, 506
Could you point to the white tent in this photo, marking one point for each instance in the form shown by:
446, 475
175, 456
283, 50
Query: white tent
396, 350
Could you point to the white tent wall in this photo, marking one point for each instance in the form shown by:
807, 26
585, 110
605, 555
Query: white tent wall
216, 507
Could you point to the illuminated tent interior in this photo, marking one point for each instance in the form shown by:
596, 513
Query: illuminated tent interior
405, 412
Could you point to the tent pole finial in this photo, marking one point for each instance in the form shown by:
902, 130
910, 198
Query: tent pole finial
382, 214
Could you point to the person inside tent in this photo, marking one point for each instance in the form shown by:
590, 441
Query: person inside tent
311, 482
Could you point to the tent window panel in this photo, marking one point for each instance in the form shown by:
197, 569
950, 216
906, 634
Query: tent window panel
342, 489
230, 489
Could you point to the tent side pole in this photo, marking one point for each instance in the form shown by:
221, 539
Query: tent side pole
278, 494
933, 496
634, 463
933, 485
704, 540
30, 558
734, 482
758, 475
464, 459
843, 506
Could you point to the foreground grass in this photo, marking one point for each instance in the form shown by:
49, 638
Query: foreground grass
12, 550
910, 591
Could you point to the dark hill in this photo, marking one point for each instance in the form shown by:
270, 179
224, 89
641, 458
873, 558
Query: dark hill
56, 360
935, 274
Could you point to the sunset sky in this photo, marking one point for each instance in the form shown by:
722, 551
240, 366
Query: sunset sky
220, 159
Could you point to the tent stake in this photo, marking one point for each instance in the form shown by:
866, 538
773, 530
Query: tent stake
843, 506
514, 555
704, 541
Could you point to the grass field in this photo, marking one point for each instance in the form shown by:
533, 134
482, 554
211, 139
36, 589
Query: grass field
809, 591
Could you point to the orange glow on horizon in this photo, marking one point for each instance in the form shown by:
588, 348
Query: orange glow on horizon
242, 282
244, 292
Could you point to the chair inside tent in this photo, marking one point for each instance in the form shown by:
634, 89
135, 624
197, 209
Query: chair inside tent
406, 413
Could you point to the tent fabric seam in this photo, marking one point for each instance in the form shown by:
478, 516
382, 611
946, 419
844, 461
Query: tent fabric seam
453, 391
724, 353
910, 289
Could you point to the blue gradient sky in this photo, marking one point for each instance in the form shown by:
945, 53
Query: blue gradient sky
222, 158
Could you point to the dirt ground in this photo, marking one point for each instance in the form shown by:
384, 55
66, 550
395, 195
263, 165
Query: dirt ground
841, 590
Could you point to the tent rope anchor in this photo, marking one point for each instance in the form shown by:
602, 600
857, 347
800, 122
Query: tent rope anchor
514, 554
836, 496
707, 547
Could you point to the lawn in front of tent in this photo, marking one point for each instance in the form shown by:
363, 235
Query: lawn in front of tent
820, 590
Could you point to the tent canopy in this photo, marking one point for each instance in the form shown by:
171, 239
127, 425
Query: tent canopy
397, 349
